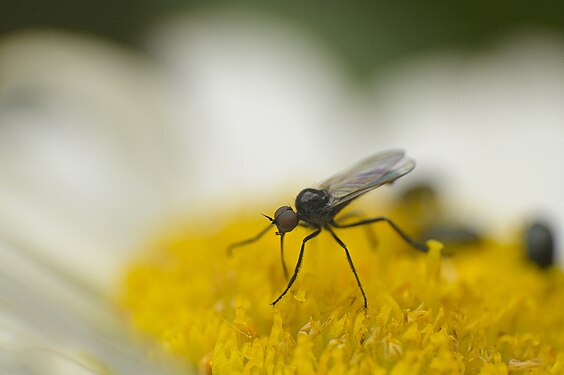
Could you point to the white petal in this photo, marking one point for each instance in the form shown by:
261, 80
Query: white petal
51, 324
488, 127
83, 150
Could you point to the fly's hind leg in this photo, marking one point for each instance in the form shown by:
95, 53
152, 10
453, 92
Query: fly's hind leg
370, 233
402, 234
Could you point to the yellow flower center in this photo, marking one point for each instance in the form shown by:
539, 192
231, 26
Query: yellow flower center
483, 309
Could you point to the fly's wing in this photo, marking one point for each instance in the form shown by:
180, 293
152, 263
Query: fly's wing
377, 170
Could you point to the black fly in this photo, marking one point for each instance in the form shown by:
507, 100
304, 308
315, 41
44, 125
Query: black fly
316, 208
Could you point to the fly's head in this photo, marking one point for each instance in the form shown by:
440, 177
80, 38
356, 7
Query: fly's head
285, 219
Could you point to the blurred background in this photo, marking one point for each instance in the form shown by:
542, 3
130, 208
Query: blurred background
117, 117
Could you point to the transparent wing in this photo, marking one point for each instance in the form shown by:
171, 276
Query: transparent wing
377, 170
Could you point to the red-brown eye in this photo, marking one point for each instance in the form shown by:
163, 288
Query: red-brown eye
286, 219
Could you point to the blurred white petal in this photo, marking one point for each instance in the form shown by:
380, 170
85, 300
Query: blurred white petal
51, 324
81, 167
83, 136
488, 126
267, 96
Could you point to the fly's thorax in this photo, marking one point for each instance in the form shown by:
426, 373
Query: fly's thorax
311, 204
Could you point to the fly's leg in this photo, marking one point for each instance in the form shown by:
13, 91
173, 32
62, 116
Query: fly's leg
351, 264
402, 234
282, 256
370, 235
247, 241
298, 264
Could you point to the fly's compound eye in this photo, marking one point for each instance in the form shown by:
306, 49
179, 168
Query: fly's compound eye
286, 219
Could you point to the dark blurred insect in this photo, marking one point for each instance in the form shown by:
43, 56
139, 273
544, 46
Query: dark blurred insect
539, 244
423, 207
316, 208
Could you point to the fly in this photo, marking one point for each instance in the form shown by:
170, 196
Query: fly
317, 207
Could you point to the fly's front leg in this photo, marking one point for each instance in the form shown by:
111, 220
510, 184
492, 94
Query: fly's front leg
247, 241
282, 256
298, 264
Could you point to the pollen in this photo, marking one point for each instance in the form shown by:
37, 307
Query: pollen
482, 309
